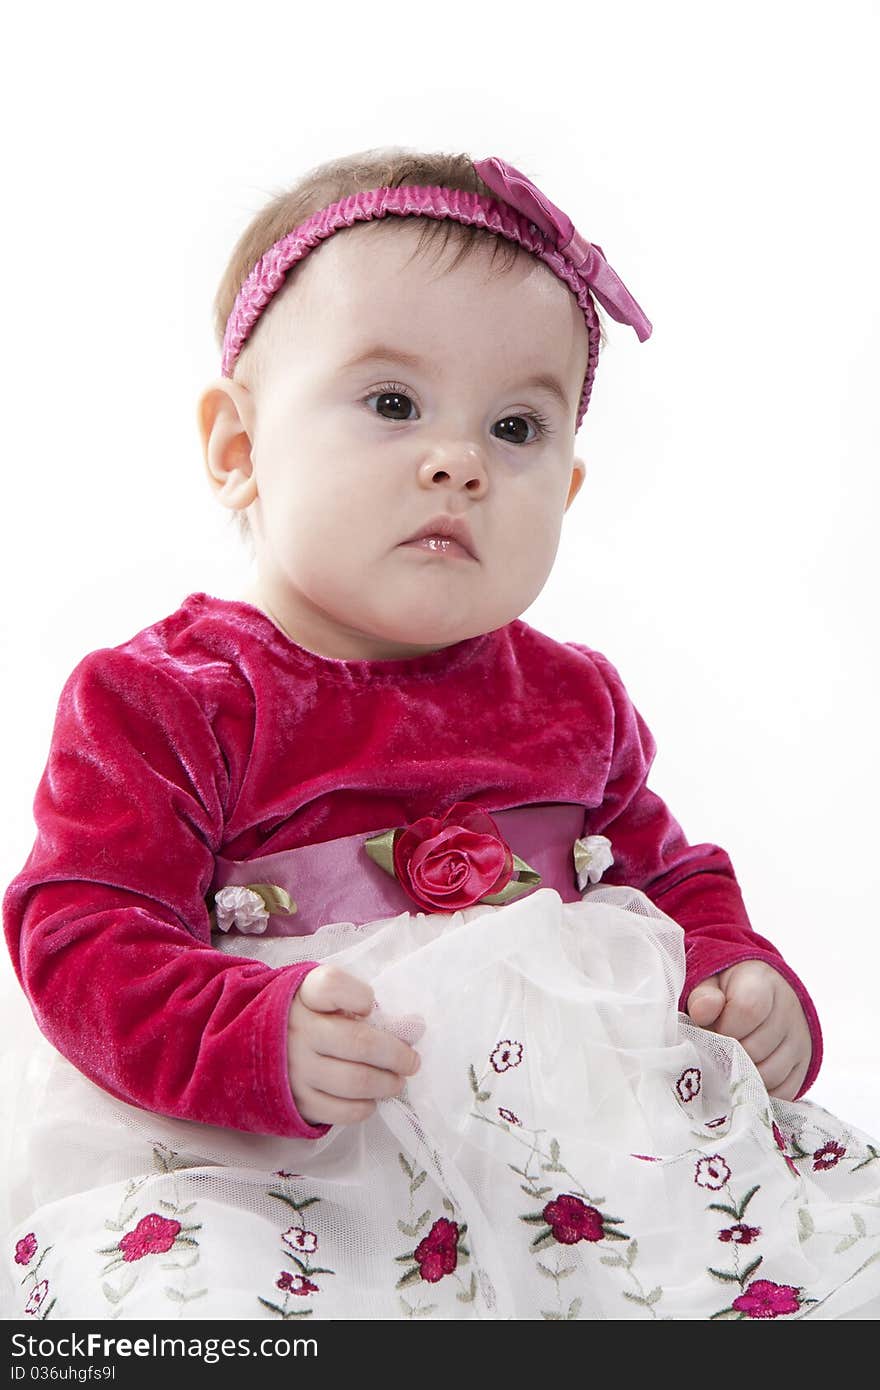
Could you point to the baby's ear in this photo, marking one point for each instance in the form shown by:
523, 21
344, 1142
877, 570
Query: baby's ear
224, 414
578, 473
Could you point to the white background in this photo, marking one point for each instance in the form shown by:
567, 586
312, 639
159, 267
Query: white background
722, 551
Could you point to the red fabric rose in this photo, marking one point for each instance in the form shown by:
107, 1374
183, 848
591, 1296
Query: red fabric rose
153, 1235
437, 1254
572, 1220
26, 1249
764, 1299
453, 862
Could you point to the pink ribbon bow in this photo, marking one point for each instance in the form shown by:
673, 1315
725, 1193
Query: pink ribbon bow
520, 193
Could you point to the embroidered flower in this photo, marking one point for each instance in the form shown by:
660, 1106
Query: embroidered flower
241, 908
153, 1235
572, 1220
712, 1172
295, 1283
300, 1239
764, 1299
688, 1084
828, 1156
508, 1115
647, 1158
26, 1249
507, 1054
780, 1144
740, 1234
437, 1254
592, 856
713, 1124
38, 1296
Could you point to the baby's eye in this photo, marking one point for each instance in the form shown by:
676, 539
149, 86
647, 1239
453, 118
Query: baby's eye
393, 399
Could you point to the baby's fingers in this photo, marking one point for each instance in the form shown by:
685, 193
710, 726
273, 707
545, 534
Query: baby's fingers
748, 1001
327, 989
356, 1041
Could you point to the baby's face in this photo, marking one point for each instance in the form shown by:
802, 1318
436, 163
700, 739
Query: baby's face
340, 461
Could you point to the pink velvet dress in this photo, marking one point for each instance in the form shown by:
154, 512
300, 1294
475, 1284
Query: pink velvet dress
472, 833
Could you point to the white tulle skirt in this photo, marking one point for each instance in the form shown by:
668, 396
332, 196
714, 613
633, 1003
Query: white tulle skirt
571, 1147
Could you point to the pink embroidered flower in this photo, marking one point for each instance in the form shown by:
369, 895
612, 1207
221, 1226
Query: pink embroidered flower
300, 1239
38, 1296
26, 1249
712, 1172
688, 1084
829, 1155
452, 862
646, 1158
153, 1235
437, 1254
780, 1144
295, 1283
572, 1220
508, 1115
740, 1234
713, 1124
507, 1054
764, 1299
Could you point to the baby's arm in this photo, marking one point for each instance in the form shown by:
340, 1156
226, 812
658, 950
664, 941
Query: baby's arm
694, 884
107, 923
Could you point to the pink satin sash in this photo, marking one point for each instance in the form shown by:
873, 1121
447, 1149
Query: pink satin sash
337, 881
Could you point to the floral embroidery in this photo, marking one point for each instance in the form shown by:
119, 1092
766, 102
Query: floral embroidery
688, 1084
714, 1124
451, 862
507, 1054
508, 1116
764, 1299
646, 1158
592, 856
295, 1283
37, 1298
712, 1172
153, 1235
437, 1253
25, 1249
296, 1238
740, 1234
571, 1220
300, 1239
828, 1156
780, 1144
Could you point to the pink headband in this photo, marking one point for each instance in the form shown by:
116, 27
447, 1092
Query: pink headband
519, 211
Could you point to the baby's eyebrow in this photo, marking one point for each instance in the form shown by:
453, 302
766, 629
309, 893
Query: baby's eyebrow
382, 352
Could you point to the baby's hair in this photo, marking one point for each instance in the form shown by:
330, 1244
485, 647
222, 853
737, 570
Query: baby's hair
392, 167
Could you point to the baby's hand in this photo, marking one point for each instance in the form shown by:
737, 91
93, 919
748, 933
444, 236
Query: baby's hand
339, 1065
753, 1003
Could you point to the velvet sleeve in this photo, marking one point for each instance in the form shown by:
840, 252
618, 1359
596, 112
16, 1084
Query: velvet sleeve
695, 885
107, 923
